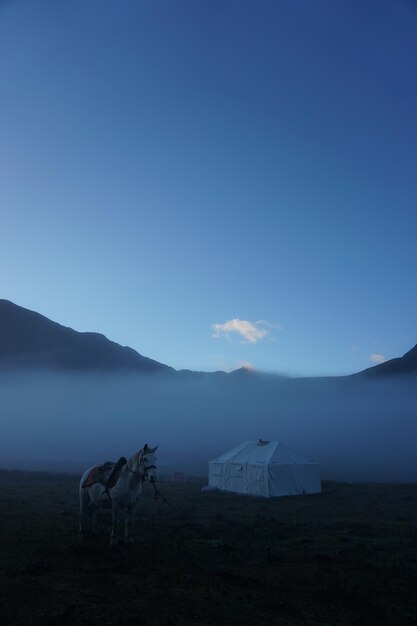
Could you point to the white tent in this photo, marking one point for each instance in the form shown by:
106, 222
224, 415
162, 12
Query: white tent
264, 468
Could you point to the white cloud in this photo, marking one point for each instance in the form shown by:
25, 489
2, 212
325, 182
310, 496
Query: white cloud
269, 325
228, 366
246, 366
251, 333
377, 358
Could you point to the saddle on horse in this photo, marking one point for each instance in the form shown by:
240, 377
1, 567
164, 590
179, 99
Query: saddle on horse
100, 474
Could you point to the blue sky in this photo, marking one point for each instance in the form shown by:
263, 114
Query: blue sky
214, 183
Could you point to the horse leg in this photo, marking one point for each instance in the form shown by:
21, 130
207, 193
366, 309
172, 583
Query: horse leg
115, 524
130, 514
93, 510
84, 510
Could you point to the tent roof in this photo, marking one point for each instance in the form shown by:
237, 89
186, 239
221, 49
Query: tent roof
262, 452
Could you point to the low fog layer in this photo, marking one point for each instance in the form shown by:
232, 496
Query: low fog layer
356, 429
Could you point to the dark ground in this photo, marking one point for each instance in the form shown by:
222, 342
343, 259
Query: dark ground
346, 556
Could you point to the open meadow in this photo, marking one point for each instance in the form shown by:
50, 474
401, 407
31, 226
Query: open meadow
347, 556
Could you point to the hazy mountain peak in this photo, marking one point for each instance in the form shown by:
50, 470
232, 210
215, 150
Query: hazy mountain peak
31, 340
411, 354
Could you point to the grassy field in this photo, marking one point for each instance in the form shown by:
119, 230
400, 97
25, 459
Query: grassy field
346, 556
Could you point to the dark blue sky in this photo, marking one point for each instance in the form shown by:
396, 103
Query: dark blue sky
214, 183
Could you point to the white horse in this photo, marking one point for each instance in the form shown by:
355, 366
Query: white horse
122, 497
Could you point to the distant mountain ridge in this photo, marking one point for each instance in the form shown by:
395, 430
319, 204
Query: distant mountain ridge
401, 365
29, 340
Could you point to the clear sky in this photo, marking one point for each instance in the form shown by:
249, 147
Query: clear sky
214, 182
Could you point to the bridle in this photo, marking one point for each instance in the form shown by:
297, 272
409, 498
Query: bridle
140, 474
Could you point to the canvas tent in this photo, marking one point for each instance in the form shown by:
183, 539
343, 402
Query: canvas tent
264, 468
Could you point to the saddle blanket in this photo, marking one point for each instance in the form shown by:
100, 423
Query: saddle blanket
98, 474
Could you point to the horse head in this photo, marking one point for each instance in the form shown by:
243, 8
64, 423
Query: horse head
147, 462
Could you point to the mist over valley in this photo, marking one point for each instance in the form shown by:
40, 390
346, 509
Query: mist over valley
356, 429
69, 399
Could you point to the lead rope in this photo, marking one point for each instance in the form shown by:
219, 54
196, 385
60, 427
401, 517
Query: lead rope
158, 495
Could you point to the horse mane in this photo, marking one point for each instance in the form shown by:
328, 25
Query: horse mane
136, 457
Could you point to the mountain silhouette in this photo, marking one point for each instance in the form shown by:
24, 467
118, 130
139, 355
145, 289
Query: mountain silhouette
402, 365
29, 340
